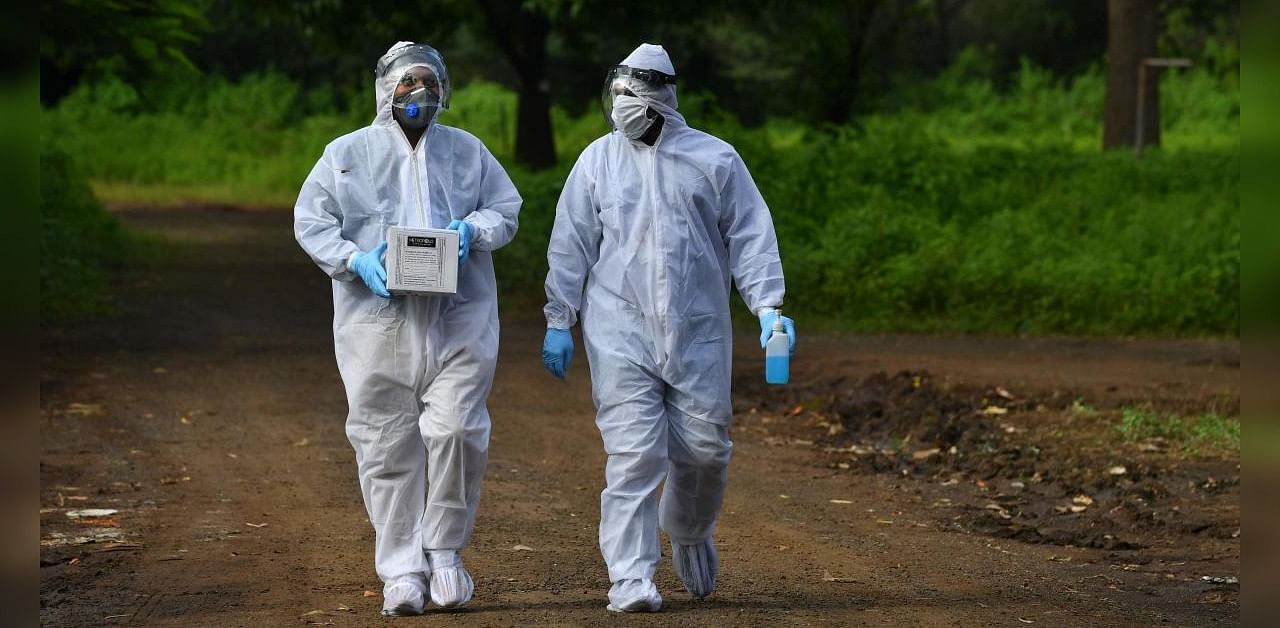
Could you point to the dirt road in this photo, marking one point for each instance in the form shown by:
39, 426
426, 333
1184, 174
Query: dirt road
208, 416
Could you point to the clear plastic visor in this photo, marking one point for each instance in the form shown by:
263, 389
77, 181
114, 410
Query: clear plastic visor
622, 80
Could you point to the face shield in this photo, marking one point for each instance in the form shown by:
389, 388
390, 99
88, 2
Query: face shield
631, 83
418, 82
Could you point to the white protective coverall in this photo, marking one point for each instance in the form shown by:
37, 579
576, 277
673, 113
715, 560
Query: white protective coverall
417, 369
645, 243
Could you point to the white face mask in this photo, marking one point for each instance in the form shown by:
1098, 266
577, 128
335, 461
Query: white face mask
629, 116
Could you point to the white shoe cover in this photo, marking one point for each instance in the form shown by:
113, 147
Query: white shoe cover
634, 596
404, 596
697, 566
451, 584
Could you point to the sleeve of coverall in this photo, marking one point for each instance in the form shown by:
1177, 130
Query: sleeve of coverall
317, 223
497, 215
748, 233
573, 249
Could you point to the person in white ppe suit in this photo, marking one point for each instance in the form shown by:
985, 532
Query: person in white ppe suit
655, 221
417, 369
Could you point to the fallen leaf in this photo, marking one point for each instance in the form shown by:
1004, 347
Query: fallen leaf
233, 455
797, 410
1004, 393
1117, 470
184, 420
345, 608
98, 522
827, 577
924, 454
522, 548
86, 409
840, 501
1026, 621
116, 547
74, 561
371, 594
884, 522
1221, 579
303, 443
159, 370
994, 410
256, 525
784, 497
1078, 508
315, 613
1082, 500
91, 512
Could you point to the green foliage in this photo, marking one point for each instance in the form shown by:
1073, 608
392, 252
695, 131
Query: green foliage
959, 207
79, 242
1193, 434
123, 37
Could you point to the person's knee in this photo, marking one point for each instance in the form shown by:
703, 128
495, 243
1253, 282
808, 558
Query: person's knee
703, 445
710, 454
459, 427
635, 470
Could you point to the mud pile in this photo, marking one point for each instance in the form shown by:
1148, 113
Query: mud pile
1008, 465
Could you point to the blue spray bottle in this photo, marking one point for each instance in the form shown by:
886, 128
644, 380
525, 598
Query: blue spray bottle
777, 355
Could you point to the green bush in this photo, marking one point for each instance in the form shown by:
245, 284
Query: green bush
959, 207
79, 241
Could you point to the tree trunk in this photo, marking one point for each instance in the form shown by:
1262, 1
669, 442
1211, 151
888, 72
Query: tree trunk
1131, 37
521, 34
535, 141
843, 94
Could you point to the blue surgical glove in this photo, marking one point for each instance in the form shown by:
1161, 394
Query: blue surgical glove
466, 233
766, 329
369, 265
557, 351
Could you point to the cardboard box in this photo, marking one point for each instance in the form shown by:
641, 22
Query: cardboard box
422, 261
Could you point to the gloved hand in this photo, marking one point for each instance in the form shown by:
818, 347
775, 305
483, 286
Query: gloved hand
466, 233
371, 268
766, 329
557, 351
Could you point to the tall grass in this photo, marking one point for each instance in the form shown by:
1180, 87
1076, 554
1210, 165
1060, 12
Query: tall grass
959, 207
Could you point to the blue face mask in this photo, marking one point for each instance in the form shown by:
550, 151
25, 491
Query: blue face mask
416, 109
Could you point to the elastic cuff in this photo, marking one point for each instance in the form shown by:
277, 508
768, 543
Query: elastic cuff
765, 310
351, 259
